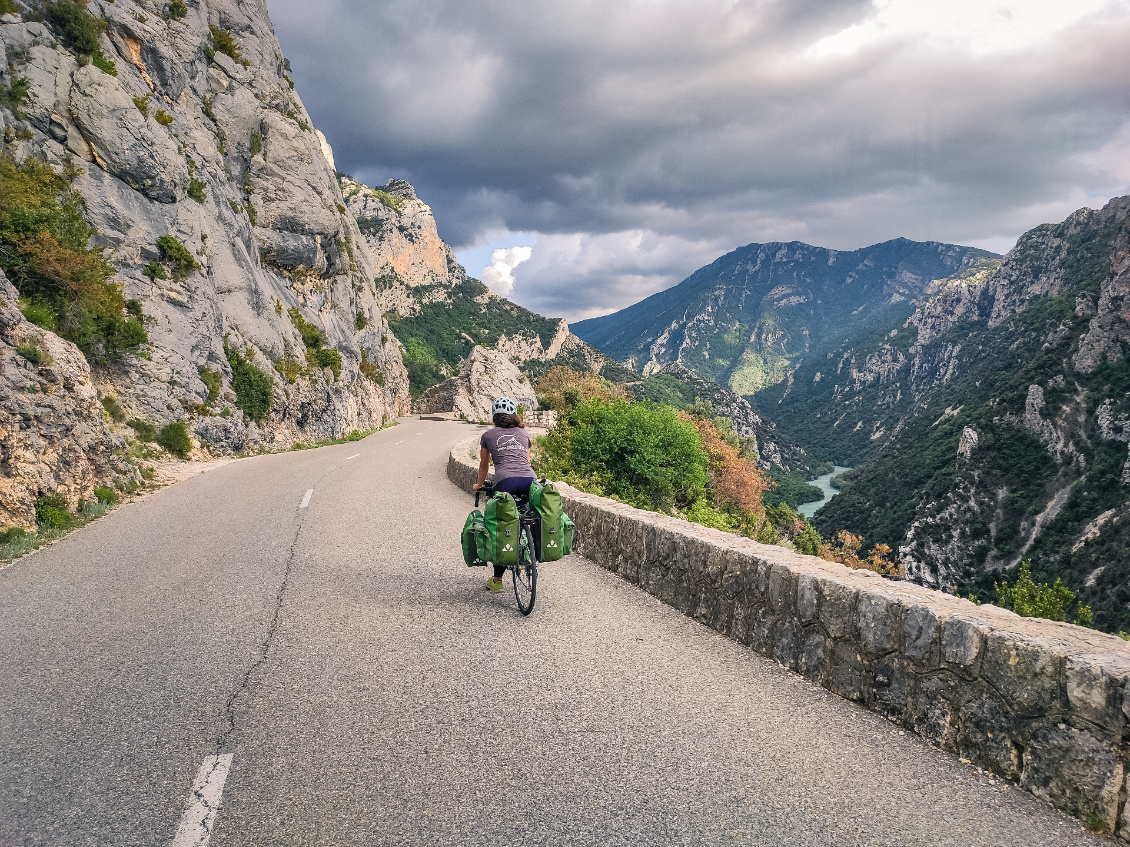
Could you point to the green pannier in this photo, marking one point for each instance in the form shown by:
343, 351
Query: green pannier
566, 535
501, 520
556, 528
475, 540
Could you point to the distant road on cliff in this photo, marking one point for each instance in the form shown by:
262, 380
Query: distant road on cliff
290, 649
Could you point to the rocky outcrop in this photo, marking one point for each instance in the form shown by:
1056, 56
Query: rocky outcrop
201, 136
1042, 704
52, 435
485, 375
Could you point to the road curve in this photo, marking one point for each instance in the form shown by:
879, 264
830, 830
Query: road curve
368, 691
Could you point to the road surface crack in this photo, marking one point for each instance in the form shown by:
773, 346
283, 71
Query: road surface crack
244, 685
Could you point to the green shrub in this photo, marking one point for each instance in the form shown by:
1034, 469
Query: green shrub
103, 64
145, 430
174, 438
251, 216
371, 226
311, 335
1031, 599
213, 381
44, 252
31, 351
133, 307
8, 7
51, 512
177, 9
163, 118
640, 453
288, 368
256, 143
106, 495
330, 358
114, 409
360, 321
368, 369
155, 270
223, 42
196, 190
15, 95
254, 390
77, 28
176, 254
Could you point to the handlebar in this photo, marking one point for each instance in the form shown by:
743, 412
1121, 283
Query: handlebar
488, 489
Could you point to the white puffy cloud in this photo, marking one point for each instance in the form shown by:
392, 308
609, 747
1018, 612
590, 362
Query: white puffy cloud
499, 276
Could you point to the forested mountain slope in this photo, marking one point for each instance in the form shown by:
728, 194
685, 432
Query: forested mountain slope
999, 415
746, 319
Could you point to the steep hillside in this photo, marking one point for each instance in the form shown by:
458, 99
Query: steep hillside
437, 312
747, 318
1001, 416
187, 149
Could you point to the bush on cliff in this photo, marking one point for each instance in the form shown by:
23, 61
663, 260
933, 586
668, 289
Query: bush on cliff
253, 387
64, 285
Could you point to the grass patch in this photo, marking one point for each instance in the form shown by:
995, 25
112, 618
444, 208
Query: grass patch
15, 542
144, 429
31, 351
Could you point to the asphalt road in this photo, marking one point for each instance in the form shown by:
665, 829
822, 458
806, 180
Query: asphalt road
364, 689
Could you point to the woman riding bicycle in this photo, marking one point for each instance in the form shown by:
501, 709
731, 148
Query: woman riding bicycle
509, 446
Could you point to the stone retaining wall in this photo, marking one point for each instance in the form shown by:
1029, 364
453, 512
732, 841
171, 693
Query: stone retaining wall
1040, 703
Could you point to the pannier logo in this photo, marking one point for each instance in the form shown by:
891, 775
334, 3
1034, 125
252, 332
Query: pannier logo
507, 549
508, 533
551, 544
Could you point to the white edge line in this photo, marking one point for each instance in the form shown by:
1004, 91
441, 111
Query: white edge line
306, 498
354, 456
196, 823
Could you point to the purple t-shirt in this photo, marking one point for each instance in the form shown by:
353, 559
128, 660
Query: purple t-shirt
509, 448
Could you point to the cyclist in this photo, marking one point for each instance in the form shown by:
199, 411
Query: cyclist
509, 446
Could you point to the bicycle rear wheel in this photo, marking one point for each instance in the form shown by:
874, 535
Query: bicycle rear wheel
525, 572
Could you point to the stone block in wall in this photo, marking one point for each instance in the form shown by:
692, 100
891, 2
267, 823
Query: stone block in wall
878, 622
837, 607
1075, 771
963, 640
920, 627
1096, 685
1028, 672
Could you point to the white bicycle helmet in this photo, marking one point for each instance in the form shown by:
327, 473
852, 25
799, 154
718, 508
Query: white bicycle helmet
504, 406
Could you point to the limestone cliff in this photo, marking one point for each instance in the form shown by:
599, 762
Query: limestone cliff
52, 434
197, 134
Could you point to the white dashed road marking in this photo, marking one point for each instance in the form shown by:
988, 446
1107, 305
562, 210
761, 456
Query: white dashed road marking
399, 442
196, 823
306, 499
354, 456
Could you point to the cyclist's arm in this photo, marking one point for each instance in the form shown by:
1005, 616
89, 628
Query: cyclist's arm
484, 466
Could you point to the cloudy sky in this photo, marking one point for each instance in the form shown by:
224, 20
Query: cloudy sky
582, 154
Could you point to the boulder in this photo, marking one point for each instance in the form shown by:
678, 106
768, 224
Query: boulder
485, 375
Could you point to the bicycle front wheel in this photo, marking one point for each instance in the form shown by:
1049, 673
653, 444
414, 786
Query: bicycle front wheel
525, 572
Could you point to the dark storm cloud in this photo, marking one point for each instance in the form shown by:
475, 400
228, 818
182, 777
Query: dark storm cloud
642, 139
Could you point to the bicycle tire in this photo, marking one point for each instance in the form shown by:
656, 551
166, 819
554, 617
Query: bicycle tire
525, 572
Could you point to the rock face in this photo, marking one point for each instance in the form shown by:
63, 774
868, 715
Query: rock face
485, 375
748, 318
52, 435
217, 151
1043, 704
993, 423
